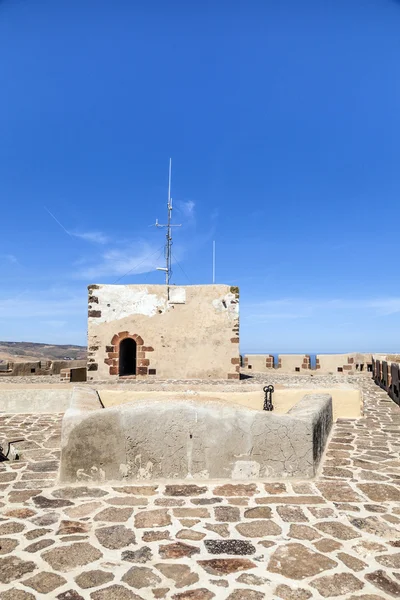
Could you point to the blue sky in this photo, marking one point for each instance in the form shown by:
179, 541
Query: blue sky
283, 123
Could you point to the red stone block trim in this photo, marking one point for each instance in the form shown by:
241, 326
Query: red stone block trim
112, 360
233, 375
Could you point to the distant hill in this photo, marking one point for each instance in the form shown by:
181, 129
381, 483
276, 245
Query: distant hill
26, 351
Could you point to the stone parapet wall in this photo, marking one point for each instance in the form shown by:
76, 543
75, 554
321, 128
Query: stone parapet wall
298, 363
39, 367
386, 374
189, 439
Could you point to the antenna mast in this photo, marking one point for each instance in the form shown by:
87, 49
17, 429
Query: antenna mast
168, 225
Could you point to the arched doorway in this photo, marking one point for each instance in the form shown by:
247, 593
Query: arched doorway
127, 357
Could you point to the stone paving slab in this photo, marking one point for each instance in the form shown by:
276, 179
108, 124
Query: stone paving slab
337, 536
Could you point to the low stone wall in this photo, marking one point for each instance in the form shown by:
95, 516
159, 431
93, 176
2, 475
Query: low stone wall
76, 375
39, 367
34, 400
298, 363
287, 363
386, 374
181, 439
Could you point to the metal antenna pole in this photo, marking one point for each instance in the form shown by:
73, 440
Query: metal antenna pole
168, 225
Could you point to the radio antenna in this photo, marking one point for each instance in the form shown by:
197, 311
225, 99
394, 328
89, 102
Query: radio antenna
168, 242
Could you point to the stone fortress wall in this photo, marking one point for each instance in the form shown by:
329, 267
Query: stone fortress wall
38, 367
301, 363
386, 373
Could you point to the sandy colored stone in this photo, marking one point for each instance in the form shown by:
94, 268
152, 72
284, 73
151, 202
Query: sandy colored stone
160, 592
138, 490
196, 513
140, 577
7, 477
242, 594
338, 491
71, 527
327, 545
7, 545
258, 529
237, 501
115, 592
336, 585
15, 594
39, 545
22, 495
291, 514
185, 490
12, 568
287, 593
93, 578
189, 534
322, 512
250, 579
142, 555
20, 513
66, 557
220, 529
115, 515
238, 489
45, 582
353, 563
391, 561
177, 550
79, 492
115, 536
219, 582
206, 501
225, 566
259, 512
303, 532
380, 492
189, 522
275, 488
43, 502
82, 510
290, 500
375, 526
199, 594
227, 514
35, 533
182, 575
10, 527
152, 518
155, 536
127, 501
48, 518
298, 562
368, 548
338, 530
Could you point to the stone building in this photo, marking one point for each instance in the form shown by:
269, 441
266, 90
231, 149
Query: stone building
178, 332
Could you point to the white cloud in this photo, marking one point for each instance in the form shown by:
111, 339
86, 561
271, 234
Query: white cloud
134, 259
95, 237
187, 210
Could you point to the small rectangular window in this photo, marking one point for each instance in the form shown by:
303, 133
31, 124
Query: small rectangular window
297, 369
340, 369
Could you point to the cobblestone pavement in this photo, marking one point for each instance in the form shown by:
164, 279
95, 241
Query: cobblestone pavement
337, 536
